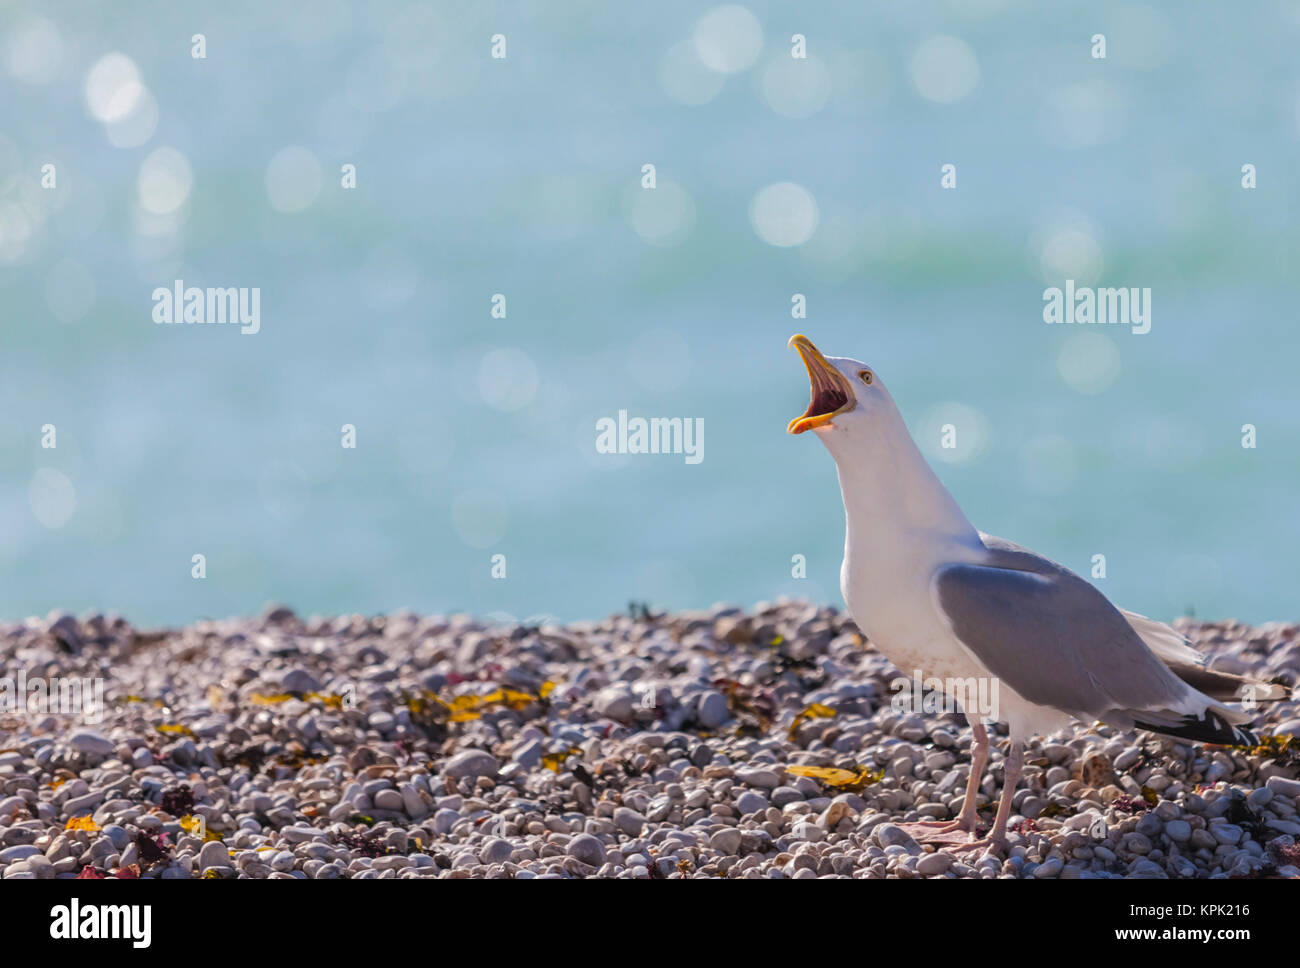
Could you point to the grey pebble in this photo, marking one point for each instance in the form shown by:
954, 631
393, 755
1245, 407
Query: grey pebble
91, 742
587, 849
471, 763
931, 865
726, 841
713, 710
495, 851
891, 835
629, 821
213, 854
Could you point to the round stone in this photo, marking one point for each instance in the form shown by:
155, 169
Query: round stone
471, 763
726, 841
587, 849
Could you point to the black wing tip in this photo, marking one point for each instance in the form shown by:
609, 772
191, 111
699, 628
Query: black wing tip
1212, 729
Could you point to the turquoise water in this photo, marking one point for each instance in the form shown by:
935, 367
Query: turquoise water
475, 435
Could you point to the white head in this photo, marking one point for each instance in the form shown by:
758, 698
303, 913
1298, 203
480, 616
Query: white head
848, 406
882, 473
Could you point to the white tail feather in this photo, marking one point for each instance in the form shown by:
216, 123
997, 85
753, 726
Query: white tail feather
1167, 643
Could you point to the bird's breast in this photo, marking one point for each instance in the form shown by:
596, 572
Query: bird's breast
890, 600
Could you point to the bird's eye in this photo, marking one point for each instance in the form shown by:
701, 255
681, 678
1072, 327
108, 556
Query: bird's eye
865, 376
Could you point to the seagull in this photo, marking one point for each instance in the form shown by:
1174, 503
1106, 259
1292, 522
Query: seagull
946, 601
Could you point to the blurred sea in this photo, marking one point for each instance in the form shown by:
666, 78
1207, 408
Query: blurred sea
522, 176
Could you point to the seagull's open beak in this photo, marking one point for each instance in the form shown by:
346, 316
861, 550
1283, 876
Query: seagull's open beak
831, 393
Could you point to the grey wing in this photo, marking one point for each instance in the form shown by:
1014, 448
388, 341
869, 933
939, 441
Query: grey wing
1051, 636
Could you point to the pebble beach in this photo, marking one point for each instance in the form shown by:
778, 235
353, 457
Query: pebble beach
757, 743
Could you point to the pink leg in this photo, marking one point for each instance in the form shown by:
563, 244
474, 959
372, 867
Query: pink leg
963, 828
997, 837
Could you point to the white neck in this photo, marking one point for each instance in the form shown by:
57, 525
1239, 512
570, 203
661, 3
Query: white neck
890, 493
